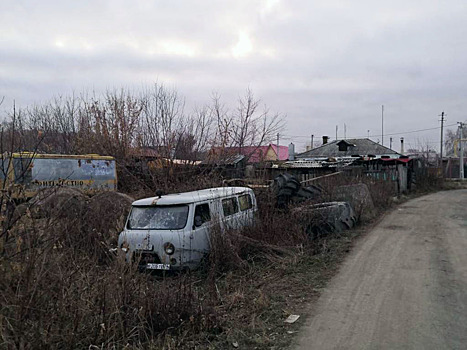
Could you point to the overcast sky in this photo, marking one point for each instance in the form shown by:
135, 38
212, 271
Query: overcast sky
320, 63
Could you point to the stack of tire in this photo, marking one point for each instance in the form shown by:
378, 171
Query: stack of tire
329, 217
288, 189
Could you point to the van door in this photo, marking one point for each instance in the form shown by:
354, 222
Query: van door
202, 221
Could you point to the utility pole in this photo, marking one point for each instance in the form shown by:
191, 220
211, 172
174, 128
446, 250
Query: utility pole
382, 125
441, 145
336, 131
345, 132
461, 156
311, 145
390, 143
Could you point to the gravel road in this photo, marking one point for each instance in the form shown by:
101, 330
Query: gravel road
403, 287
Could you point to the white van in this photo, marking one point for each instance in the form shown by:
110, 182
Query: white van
171, 232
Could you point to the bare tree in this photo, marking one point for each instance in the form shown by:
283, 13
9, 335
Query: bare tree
199, 130
222, 137
247, 126
163, 120
110, 125
122, 124
65, 112
451, 142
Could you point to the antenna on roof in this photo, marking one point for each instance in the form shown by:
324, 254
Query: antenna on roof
382, 125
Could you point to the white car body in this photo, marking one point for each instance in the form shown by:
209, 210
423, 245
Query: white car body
161, 233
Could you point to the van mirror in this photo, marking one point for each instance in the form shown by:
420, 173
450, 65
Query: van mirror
198, 221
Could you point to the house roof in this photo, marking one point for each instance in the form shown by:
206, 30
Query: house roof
345, 142
226, 159
360, 147
255, 154
283, 151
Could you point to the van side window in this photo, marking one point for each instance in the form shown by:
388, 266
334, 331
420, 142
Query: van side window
202, 211
245, 202
230, 206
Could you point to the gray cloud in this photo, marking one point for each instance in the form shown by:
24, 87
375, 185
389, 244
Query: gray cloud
322, 63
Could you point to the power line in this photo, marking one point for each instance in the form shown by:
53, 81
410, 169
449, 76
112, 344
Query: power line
411, 132
392, 134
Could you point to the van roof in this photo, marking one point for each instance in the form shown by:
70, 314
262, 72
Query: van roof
191, 197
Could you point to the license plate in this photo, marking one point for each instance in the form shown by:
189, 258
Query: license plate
151, 266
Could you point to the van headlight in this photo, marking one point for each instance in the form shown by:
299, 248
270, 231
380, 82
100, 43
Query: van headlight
169, 248
124, 246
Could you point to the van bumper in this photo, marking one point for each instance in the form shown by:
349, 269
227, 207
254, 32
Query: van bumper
149, 260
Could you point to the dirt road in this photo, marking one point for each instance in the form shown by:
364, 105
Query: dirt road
403, 287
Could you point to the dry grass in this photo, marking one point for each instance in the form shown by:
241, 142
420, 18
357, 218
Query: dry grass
59, 291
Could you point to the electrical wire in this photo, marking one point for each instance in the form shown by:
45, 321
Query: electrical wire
289, 137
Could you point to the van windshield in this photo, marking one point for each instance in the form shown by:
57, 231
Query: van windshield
172, 217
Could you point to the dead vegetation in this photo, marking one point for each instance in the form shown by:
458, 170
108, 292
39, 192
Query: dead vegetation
61, 288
